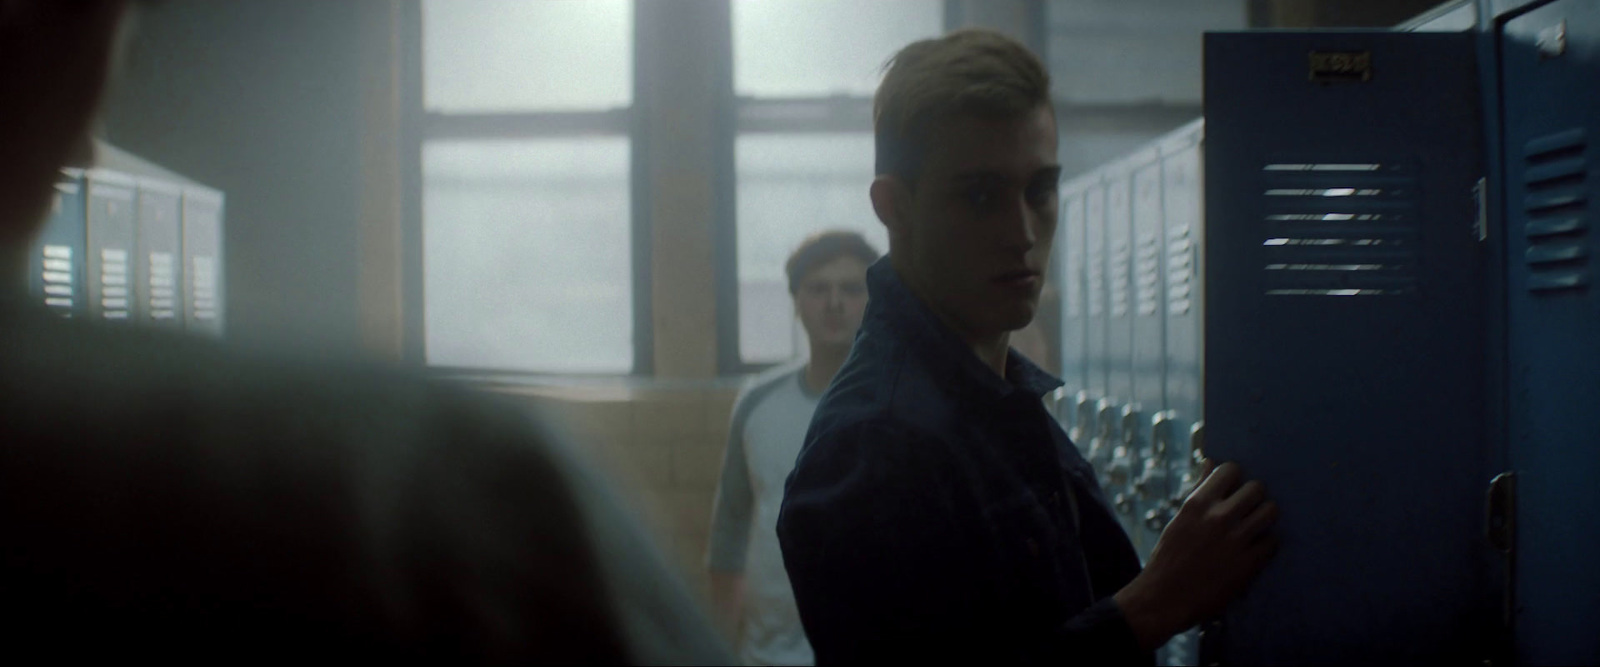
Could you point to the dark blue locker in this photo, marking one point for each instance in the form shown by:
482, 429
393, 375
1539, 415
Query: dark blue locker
1149, 339
204, 287
158, 265
1074, 348
109, 266
1345, 338
56, 257
1551, 73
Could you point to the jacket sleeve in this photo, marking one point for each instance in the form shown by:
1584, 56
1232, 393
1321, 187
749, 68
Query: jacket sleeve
886, 555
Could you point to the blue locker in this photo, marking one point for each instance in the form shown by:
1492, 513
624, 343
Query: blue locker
1120, 466
204, 287
1074, 349
56, 257
1149, 352
1183, 264
1174, 430
1344, 341
1550, 60
1103, 413
158, 256
111, 231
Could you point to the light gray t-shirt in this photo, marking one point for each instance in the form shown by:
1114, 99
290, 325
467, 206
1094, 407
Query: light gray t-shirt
768, 428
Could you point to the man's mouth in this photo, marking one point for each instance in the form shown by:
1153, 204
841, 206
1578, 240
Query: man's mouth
1019, 278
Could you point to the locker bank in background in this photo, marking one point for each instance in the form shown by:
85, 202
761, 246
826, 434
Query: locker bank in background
132, 244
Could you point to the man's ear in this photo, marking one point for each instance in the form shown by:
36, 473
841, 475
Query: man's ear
890, 199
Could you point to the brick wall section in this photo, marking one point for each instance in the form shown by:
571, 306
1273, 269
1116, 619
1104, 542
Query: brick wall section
663, 449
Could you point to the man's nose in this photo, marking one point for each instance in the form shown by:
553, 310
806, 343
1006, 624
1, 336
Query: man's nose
1020, 226
835, 299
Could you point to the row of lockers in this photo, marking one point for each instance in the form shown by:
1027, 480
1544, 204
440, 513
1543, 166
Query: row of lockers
1128, 266
1130, 236
128, 242
1373, 289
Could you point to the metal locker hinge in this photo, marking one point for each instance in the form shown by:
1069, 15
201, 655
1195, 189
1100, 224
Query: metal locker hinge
1480, 196
1500, 527
1501, 530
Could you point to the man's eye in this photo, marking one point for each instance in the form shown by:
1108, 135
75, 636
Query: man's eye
1041, 194
980, 197
855, 290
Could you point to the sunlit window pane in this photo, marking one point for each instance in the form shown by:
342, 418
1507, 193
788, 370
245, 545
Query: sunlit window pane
527, 255
794, 48
526, 55
791, 186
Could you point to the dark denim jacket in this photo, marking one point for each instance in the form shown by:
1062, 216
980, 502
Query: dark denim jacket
938, 512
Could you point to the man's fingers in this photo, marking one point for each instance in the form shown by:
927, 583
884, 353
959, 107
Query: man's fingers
1259, 521
1244, 500
1219, 484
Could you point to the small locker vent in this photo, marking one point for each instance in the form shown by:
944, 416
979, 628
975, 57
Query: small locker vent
204, 275
1556, 205
1180, 271
115, 301
1120, 258
1147, 266
163, 286
58, 287
1339, 229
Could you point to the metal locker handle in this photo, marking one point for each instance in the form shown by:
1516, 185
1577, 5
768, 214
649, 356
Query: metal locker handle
1156, 473
1083, 424
1130, 424
1120, 469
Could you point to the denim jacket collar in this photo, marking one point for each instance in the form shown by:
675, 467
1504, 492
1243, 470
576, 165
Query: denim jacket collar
893, 306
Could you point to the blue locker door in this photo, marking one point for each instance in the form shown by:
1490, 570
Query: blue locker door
56, 258
1551, 70
1344, 341
109, 267
205, 290
1094, 274
1119, 341
158, 256
1149, 344
1074, 370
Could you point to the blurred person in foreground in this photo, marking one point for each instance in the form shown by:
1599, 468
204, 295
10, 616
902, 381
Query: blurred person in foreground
168, 498
828, 282
937, 512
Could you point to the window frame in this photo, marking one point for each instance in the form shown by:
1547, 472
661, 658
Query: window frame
750, 114
831, 114
419, 126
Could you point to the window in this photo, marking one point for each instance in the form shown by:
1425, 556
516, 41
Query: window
527, 260
804, 75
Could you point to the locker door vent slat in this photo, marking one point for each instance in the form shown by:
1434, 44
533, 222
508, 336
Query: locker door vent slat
1339, 229
1180, 270
1556, 208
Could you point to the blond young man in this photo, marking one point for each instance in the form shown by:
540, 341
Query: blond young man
937, 513
828, 281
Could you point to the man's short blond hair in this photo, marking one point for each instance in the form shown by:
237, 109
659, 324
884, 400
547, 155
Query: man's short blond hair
968, 71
